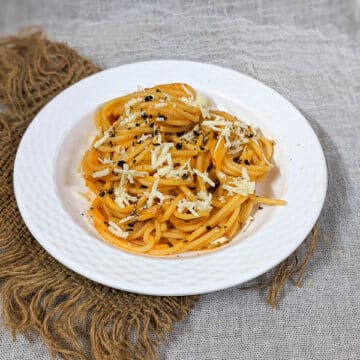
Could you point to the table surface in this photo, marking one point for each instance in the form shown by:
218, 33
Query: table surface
309, 52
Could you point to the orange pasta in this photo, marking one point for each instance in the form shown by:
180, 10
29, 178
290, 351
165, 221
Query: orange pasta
170, 175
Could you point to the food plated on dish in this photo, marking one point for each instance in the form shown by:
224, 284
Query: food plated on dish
179, 257
168, 173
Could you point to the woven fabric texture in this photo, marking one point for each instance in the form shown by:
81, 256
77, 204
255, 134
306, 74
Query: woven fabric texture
308, 51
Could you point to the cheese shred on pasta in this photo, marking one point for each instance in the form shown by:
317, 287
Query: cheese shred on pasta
171, 175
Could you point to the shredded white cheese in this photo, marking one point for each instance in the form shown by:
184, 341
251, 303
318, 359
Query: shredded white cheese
219, 241
130, 174
154, 193
202, 203
105, 161
106, 135
101, 173
117, 231
122, 198
158, 155
200, 102
126, 219
189, 136
186, 90
248, 221
204, 176
242, 186
144, 137
160, 105
178, 173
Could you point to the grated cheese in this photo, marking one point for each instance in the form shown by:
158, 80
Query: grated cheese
248, 221
129, 118
201, 102
154, 193
204, 176
186, 90
189, 136
126, 219
242, 186
101, 173
158, 155
117, 231
106, 135
105, 161
130, 174
184, 169
202, 203
122, 198
144, 137
160, 105
219, 241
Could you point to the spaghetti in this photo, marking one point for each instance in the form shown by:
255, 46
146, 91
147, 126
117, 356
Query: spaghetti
169, 175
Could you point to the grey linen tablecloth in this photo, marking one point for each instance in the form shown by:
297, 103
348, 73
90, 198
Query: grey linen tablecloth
309, 52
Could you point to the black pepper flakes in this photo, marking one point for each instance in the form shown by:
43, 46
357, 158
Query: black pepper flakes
196, 133
180, 133
208, 227
143, 186
121, 163
202, 148
170, 245
110, 191
237, 160
137, 124
102, 193
179, 146
247, 162
185, 176
144, 115
152, 125
134, 161
148, 98
158, 90
260, 207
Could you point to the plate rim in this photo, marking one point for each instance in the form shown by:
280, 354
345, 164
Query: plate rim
149, 290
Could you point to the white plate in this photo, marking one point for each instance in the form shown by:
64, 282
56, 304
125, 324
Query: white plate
45, 182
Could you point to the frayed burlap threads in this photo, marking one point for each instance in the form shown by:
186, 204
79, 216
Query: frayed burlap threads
37, 292
77, 318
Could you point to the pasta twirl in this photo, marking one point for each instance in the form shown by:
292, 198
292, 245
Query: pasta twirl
170, 175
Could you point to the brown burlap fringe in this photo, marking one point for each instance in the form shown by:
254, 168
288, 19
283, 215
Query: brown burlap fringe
77, 318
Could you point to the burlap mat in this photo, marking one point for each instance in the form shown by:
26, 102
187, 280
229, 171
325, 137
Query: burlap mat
77, 318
